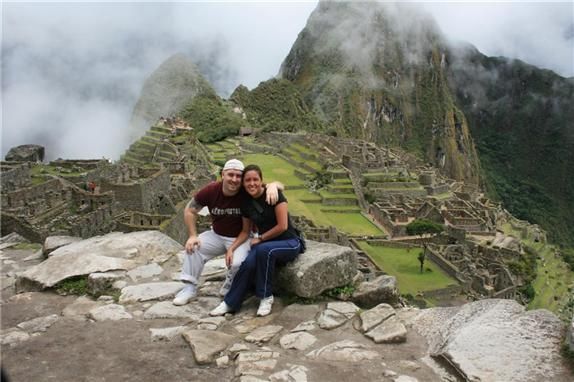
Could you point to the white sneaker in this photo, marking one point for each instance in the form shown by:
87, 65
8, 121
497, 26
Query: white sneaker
265, 306
220, 310
188, 293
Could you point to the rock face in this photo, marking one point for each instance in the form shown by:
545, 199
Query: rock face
495, 340
26, 153
323, 266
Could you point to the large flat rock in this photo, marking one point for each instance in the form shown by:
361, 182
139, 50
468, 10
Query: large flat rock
323, 266
143, 247
57, 268
495, 340
113, 251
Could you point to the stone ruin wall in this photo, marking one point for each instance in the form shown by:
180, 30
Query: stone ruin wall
35, 199
96, 222
14, 176
139, 221
142, 195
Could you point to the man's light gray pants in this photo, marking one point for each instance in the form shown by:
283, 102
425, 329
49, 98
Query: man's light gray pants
210, 246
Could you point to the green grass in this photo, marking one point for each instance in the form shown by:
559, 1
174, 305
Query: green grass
74, 285
403, 264
28, 246
274, 168
443, 196
334, 195
39, 170
552, 279
303, 149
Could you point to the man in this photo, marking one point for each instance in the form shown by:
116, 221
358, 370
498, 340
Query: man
224, 200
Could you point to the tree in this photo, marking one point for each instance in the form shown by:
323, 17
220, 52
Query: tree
425, 230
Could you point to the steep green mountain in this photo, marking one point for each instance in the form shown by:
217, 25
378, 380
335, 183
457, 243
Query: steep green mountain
211, 118
169, 88
521, 118
276, 105
377, 72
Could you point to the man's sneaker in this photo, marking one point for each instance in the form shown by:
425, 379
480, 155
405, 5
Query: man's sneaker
220, 310
265, 306
185, 295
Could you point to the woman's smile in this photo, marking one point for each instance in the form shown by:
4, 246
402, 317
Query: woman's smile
252, 183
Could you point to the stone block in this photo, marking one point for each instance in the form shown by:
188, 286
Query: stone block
383, 289
322, 267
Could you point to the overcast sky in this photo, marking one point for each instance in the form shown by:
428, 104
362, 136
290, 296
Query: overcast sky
72, 72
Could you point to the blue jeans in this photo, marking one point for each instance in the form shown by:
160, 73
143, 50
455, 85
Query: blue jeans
259, 267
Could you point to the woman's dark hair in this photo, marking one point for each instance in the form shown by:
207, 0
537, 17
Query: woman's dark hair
253, 167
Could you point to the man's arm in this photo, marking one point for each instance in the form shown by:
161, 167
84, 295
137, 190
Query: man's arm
190, 218
272, 194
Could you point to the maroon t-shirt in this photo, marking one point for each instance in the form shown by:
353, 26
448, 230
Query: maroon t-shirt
225, 211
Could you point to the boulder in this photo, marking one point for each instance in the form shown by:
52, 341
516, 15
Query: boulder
323, 266
207, 344
495, 340
54, 242
383, 289
26, 153
390, 330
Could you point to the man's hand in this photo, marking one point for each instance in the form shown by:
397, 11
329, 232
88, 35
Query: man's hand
229, 258
191, 243
272, 193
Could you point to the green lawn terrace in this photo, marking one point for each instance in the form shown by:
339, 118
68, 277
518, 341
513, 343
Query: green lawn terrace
154, 147
378, 184
302, 157
404, 265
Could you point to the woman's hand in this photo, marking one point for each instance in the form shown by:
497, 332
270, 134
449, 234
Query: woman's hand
255, 241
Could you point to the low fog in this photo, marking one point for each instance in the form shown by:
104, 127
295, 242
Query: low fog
72, 72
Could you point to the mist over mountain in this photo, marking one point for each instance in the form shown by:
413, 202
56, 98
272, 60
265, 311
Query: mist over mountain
376, 72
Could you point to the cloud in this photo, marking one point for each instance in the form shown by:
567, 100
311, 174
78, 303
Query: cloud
539, 33
72, 72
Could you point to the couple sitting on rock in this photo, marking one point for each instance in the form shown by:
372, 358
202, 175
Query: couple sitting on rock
237, 204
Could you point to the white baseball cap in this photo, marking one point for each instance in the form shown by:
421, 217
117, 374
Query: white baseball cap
233, 164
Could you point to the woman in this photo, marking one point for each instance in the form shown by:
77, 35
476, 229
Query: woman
276, 242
